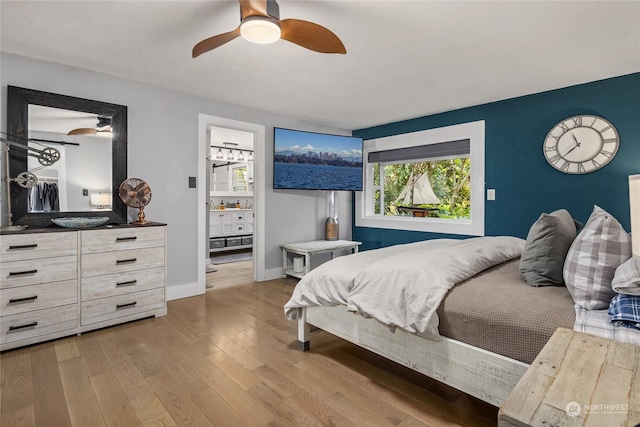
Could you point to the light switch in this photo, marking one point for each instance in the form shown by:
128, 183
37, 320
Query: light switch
491, 194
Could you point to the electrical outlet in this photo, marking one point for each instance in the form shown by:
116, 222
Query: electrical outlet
85, 192
491, 194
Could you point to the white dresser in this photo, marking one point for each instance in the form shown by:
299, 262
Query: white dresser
65, 282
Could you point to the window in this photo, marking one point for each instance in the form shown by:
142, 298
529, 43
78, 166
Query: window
431, 180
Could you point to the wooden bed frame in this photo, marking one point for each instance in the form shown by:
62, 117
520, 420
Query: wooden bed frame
477, 372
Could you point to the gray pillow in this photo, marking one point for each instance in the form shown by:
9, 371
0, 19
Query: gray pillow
546, 248
600, 248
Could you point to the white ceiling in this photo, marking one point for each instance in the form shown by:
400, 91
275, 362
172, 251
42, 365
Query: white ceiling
404, 59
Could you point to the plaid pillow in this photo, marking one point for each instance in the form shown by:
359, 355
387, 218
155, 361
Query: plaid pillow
624, 310
597, 251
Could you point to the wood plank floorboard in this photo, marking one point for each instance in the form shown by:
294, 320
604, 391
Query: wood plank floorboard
225, 358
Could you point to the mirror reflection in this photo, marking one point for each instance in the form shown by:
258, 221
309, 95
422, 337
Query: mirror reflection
81, 179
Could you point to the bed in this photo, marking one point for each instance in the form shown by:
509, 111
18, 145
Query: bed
489, 322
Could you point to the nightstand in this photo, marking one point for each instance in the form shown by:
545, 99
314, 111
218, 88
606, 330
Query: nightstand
307, 249
577, 380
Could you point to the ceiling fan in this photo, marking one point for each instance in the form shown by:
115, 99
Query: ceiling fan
260, 23
103, 125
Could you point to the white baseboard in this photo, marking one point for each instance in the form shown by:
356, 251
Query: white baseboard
192, 289
273, 273
183, 291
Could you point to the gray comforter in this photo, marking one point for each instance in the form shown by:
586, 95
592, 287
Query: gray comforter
401, 286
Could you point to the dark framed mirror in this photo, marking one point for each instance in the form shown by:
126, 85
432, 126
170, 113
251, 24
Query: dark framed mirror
18, 102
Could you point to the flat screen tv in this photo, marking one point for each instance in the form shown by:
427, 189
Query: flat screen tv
316, 161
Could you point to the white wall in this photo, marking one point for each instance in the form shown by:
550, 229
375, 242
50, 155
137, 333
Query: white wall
163, 147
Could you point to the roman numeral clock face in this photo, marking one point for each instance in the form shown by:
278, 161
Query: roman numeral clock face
581, 144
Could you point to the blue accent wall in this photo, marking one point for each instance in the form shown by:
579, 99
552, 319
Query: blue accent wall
526, 185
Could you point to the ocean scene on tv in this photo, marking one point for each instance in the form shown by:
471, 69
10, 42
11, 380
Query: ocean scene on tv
314, 161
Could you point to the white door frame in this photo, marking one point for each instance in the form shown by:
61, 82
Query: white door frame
204, 122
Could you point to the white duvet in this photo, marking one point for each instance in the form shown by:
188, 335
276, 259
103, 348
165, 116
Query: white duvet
403, 285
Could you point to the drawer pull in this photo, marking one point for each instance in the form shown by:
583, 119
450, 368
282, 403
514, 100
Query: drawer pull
27, 299
28, 325
126, 261
22, 273
128, 283
126, 239
13, 247
128, 305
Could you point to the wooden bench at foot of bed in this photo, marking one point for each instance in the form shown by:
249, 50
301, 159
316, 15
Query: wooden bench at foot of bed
477, 372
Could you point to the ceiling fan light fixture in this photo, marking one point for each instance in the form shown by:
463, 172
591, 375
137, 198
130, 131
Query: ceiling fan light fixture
260, 29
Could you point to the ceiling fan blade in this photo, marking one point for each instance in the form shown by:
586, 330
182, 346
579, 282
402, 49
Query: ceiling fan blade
213, 42
253, 8
83, 131
311, 36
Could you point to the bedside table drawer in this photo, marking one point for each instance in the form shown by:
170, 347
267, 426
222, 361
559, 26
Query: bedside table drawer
121, 261
95, 241
33, 272
102, 309
38, 322
37, 297
121, 283
18, 247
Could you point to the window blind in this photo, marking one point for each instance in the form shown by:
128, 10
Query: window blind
460, 147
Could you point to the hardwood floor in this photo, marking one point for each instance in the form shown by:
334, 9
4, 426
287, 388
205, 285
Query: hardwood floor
231, 274
226, 358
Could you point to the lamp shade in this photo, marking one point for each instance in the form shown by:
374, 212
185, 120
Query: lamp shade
101, 200
634, 206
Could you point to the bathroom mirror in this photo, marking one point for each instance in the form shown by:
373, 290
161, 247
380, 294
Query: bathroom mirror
83, 177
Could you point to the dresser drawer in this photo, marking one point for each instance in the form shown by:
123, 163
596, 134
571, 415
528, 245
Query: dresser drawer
116, 239
121, 261
17, 247
33, 272
37, 297
38, 322
121, 283
102, 309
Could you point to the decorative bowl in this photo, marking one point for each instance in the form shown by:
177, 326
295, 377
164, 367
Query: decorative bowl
80, 222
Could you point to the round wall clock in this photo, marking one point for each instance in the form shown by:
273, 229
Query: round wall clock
581, 144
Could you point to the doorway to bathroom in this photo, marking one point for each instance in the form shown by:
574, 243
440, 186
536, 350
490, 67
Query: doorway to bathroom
231, 186
230, 223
